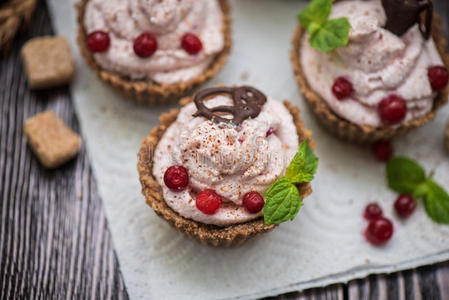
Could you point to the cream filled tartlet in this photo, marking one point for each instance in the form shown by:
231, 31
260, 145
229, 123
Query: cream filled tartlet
153, 50
382, 71
232, 163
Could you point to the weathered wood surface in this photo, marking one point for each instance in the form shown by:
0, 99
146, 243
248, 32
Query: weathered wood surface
54, 238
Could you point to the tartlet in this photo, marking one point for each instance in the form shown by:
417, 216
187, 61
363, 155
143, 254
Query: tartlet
209, 234
148, 91
361, 133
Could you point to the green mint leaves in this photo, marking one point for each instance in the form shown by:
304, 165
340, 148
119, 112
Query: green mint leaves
283, 200
324, 34
406, 176
303, 166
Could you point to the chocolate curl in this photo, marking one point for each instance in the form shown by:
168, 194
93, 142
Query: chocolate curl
247, 103
403, 14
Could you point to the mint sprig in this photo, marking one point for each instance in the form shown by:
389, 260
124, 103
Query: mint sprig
283, 200
407, 176
324, 34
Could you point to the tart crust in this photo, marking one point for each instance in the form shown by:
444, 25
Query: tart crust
363, 134
229, 236
147, 91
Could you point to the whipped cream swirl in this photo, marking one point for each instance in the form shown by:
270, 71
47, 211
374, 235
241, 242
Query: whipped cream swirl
377, 62
168, 21
232, 160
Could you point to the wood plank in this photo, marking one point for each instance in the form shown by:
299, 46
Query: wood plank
54, 241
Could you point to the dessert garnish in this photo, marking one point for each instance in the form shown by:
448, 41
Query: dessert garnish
98, 41
325, 34
372, 211
403, 14
383, 150
208, 202
253, 202
404, 205
282, 199
176, 178
342, 88
406, 176
438, 77
270, 131
145, 45
191, 43
379, 231
392, 109
380, 228
247, 103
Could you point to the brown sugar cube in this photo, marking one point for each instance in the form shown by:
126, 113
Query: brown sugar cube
52, 141
48, 62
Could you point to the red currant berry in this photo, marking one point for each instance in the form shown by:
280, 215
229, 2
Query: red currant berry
438, 77
269, 132
176, 178
379, 231
98, 41
372, 211
145, 45
208, 202
342, 88
253, 202
383, 150
392, 109
191, 43
404, 205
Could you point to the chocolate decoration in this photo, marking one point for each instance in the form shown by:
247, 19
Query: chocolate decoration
403, 14
247, 103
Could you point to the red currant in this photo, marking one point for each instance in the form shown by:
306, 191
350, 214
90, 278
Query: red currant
342, 88
392, 109
98, 41
191, 43
176, 178
383, 150
372, 211
438, 77
145, 45
404, 205
379, 231
253, 202
208, 202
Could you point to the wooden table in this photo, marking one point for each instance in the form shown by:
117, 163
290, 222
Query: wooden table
54, 237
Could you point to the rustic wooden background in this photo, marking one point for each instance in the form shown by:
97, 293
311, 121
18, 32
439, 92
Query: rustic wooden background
54, 237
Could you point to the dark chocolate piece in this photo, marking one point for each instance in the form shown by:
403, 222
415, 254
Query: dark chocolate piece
403, 14
247, 103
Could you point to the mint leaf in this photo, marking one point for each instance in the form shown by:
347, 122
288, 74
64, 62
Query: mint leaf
334, 34
324, 34
404, 175
282, 202
303, 166
316, 12
436, 202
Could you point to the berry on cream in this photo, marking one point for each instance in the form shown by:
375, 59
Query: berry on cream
233, 163
146, 37
378, 64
